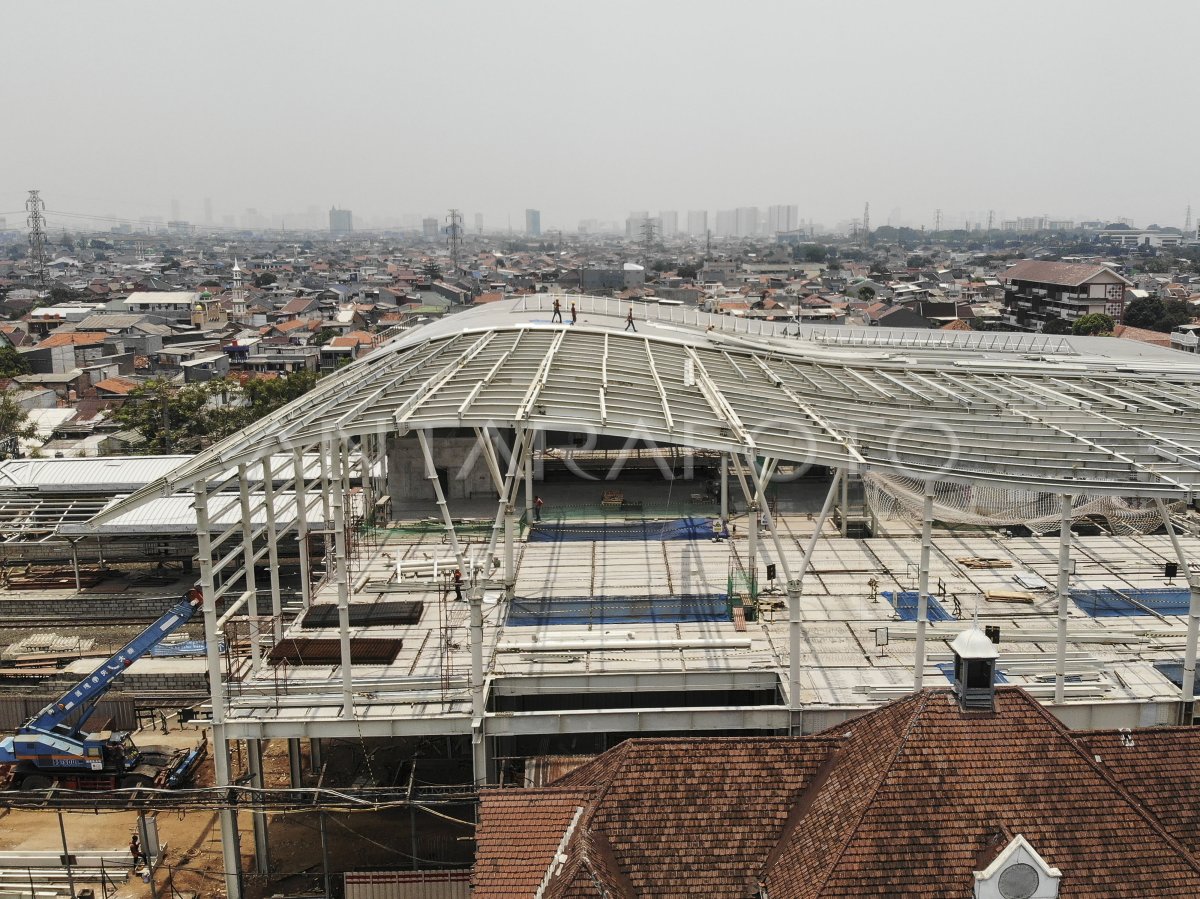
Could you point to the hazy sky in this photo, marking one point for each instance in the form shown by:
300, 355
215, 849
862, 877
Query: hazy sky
590, 110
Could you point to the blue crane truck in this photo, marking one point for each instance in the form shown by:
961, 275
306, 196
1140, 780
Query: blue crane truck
52, 748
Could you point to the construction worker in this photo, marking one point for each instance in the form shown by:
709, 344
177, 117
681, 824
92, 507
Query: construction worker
629, 321
574, 314
458, 585
557, 316
537, 508
135, 850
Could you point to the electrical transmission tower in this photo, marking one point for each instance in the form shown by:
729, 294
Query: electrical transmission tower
37, 236
1187, 221
937, 221
865, 237
455, 232
648, 232
991, 218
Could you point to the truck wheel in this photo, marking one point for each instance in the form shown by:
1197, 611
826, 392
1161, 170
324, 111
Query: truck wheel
36, 782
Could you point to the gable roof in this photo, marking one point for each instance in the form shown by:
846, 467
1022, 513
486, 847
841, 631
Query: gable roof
1063, 274
908, 800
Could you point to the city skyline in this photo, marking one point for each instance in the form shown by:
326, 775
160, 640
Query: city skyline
1004, 115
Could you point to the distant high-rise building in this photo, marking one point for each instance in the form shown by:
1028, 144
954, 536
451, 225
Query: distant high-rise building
697, 222
668, 223
726, 222
429, 227
208, 218
635, 224
782, 218
175, 210
533, 223
341, 221
479, 223
747, 221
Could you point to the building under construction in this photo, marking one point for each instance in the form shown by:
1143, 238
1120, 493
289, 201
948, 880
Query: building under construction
537, 537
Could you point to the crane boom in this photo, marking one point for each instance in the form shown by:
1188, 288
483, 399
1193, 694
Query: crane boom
91, 688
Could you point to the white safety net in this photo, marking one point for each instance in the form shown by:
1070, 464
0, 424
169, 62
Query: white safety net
894, 497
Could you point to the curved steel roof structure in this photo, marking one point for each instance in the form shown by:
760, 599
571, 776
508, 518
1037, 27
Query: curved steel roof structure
1069, 415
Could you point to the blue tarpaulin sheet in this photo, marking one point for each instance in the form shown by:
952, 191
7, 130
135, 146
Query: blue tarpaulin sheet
1107, 603
619, 609
906, 606
675, 529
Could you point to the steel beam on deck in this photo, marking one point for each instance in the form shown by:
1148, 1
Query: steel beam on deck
342, 576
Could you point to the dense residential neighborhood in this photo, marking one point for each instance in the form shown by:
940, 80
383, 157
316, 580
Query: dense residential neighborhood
111, 313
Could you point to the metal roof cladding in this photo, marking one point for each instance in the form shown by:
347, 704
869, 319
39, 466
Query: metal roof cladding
1022, 411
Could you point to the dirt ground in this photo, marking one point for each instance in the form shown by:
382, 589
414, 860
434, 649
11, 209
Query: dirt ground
192, 861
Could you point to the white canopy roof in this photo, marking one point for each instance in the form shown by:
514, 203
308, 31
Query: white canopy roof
1071, 415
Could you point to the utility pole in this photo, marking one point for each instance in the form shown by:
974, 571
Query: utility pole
865, 237
37, 236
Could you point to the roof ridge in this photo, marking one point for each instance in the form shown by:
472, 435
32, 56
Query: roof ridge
836, 860
1089, 759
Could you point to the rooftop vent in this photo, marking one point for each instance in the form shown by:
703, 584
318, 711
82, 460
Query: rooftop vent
975, 670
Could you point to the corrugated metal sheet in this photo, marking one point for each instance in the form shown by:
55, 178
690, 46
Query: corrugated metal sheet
305, 651
104, 473
407, 884
177, 515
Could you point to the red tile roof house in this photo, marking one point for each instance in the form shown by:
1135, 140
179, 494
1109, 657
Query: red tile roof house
917, 798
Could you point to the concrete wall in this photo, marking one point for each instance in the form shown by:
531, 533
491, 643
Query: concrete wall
408, 484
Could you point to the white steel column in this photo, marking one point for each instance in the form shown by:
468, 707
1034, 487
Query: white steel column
510, 567
272, 549
922, 580
794, 600
724, 491
302, 528
527, 456
1187, 693
337, 501
248, 563
431, 475
254, 767
752, 543
479, 749
230, 854
1064, 593
845, 504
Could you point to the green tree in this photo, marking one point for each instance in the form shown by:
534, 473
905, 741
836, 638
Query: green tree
323, 336
432, 270
173, 418
60, 294
866, 294
1092, 324
814, 253
1056, 326
264, 279
12, 363
1157, 315
14, 423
